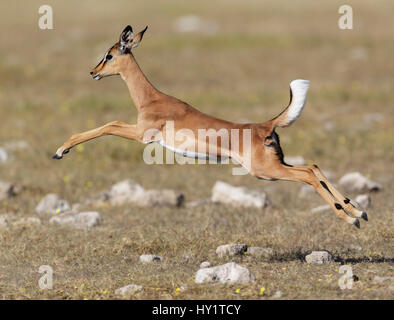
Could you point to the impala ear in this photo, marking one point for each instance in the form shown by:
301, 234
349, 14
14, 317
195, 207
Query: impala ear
138, 38
126, 37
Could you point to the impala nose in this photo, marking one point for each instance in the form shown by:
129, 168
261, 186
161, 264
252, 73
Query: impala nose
91, 72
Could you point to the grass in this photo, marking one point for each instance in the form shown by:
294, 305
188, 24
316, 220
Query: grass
239, 73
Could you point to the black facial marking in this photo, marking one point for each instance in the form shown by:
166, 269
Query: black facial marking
338, 206
346, 201
316, 166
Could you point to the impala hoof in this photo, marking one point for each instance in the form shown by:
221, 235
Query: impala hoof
57, 157
356, 223
364, 216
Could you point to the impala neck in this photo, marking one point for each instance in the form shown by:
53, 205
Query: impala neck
141, 90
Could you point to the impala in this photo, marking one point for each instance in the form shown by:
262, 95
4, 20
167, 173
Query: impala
156, 110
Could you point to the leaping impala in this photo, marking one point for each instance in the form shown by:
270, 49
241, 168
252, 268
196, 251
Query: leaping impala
155, 109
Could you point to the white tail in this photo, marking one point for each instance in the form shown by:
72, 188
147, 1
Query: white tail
298, 91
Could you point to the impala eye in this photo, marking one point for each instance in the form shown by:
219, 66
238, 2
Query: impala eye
108, 57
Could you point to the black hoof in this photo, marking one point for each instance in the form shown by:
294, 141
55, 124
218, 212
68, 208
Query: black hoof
357, 223
364, 216
57, 157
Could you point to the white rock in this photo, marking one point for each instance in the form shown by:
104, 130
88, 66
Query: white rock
319, 257
4, 221
381, 279
364, 201
128, 191
258, 251
129, 289
8, 190
148, 258
82, 220
231, 249
159, 198
295, 161
205, 264
123, 192
51, 204
322, 208
226, 273
356, 182
277, 295
4, 156
238, 196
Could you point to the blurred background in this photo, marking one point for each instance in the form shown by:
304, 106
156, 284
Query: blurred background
231, 59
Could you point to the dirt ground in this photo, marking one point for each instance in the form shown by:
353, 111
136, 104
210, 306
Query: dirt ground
237, 67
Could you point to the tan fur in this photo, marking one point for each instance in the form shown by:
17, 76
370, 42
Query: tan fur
155, 108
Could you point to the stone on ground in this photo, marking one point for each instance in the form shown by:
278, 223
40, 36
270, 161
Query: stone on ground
51, 204
129, 289
82, 220
148, 258
356, 182
8, 190
231, 249
205, 264
238, 196
128, 191
295, 161
227, 273
319, 257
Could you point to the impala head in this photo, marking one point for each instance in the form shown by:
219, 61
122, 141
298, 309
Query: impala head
114, 58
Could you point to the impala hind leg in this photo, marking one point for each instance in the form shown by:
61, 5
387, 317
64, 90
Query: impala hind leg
342, 200
307, 175
116, 128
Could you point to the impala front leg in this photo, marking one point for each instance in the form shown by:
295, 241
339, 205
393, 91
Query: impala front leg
116, 128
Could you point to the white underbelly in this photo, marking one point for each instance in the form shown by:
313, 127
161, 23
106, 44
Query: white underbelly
192, 154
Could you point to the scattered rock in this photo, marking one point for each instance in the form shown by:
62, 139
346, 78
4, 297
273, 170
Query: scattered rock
205, 264
231, 249
258, 251
194, 23
295, 161
160, 198
356, 182
8, 190
319, 257
4, 221
129, 289
364, 201
4, 155
321, 208
226, 273
128, 191
278, 294
148, 258
82, 220
51, 204
238, 196
355, 247
381, 279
